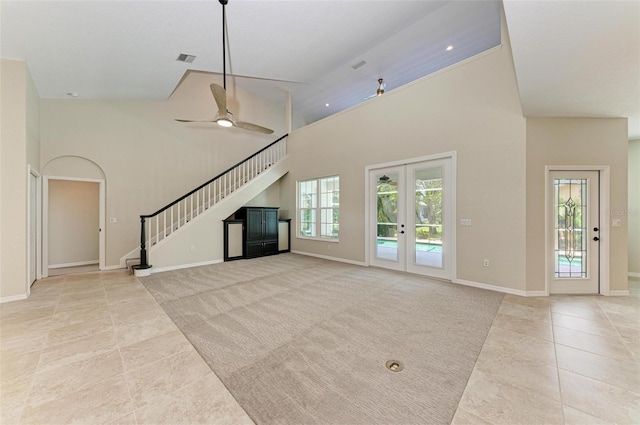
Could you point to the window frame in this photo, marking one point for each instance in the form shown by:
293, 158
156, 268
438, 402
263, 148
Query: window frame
317, 209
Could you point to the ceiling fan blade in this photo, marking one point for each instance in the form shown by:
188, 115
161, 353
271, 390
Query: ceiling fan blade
179, 120
220, 95
252, 127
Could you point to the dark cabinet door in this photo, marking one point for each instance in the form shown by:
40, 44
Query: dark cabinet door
271, 224
255, 225
254, 249
270, 247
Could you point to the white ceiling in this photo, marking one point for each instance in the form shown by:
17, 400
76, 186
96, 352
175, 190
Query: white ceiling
572, 58
577, 58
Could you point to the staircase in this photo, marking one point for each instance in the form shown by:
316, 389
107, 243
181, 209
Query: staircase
189, 231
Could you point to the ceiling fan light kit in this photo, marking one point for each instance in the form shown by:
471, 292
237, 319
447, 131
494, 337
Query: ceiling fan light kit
224, 117
381, 86
224, 122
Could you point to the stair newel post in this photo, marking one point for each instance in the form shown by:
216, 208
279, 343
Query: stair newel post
143, 243
142, 268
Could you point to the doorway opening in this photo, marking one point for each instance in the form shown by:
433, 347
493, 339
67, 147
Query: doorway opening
34, 229
73, 221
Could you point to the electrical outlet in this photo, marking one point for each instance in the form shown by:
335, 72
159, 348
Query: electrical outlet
485, 263
193, 248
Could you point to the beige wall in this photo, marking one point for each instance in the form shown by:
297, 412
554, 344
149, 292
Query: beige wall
19, 147
634, 207
269, 198
472, 108
575, 141
73, 210
148, 159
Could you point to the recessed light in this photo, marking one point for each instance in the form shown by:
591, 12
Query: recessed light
326, 104
72, 94
449, 48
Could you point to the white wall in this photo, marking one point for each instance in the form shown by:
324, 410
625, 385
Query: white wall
19, 146
472, 108
147, 158
73, 210
576, 141
634, 207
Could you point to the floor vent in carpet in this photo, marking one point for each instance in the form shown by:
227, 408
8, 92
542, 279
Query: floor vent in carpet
394, 366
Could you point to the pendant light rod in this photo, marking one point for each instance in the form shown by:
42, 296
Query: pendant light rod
224, 54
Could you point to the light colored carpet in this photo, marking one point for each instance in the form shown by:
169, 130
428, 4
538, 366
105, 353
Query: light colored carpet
301, 340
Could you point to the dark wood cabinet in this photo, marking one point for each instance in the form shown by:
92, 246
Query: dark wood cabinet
260, 232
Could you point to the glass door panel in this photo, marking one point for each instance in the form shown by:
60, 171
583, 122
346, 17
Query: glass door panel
574, 232
388, 185
428, 209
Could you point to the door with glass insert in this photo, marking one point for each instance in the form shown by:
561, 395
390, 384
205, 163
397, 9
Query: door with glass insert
574, 238
411, 209
389, 226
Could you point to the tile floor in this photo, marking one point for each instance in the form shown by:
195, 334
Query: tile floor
96, 348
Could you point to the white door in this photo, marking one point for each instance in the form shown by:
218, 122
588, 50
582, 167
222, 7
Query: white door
412, 218
33, 228
574, 238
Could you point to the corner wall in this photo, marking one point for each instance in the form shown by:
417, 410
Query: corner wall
575, 141
19, 147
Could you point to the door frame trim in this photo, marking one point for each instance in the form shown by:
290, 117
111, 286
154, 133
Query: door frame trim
45, 219
453, 155
605, 231
38, 208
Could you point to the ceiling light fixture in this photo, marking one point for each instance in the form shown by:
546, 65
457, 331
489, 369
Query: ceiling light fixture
224, 122
381, 86
449, 48
326, 104
72, 94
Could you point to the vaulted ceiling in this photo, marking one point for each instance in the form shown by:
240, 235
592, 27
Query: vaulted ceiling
571, 58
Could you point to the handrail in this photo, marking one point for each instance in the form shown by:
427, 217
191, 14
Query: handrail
211, 181
223, 184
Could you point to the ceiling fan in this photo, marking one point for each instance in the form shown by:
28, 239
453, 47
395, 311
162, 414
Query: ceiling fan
381, 86
224, 118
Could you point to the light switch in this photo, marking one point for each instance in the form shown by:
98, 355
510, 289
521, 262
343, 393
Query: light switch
113, 220
465, 222
615, 222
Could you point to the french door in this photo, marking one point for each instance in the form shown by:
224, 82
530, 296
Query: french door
573, 218
412, 218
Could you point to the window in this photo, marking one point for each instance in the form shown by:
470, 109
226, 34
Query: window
319, 208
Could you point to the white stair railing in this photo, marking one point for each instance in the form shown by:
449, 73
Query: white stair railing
164, 222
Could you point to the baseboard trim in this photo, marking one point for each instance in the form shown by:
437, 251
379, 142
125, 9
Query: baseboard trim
183, 266
116, 267
79, 263
633, 274
326, 257
13, 298
502, 289
619, 293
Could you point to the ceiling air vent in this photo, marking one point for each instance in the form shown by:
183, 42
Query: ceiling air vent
358, 65
183, 57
